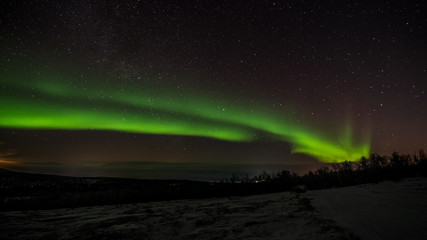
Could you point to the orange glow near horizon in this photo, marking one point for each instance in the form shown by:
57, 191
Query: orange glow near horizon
2, 161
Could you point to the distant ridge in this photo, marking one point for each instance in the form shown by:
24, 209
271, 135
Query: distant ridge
6, 172
2, 170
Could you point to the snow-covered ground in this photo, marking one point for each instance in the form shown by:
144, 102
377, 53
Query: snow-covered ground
272, 216
388, 210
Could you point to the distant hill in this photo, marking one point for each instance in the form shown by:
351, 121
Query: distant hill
2, 170
22, 191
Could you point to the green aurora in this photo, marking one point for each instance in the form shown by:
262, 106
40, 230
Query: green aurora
42, 101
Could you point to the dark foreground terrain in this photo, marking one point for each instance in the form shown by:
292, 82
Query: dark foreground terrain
270, 216
387, 210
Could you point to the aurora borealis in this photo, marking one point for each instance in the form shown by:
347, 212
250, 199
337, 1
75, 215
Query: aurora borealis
213, 85
152, 114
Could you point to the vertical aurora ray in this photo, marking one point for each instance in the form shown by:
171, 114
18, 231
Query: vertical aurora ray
43, 102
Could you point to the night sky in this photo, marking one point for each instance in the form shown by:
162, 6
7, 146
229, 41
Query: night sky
203, 89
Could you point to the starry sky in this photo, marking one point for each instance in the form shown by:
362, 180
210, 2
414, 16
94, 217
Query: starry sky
203, 89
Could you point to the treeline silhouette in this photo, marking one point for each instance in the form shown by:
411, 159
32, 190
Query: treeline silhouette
24, 191
373, 169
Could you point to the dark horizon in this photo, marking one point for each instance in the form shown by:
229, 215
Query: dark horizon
23, 191
196, 171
